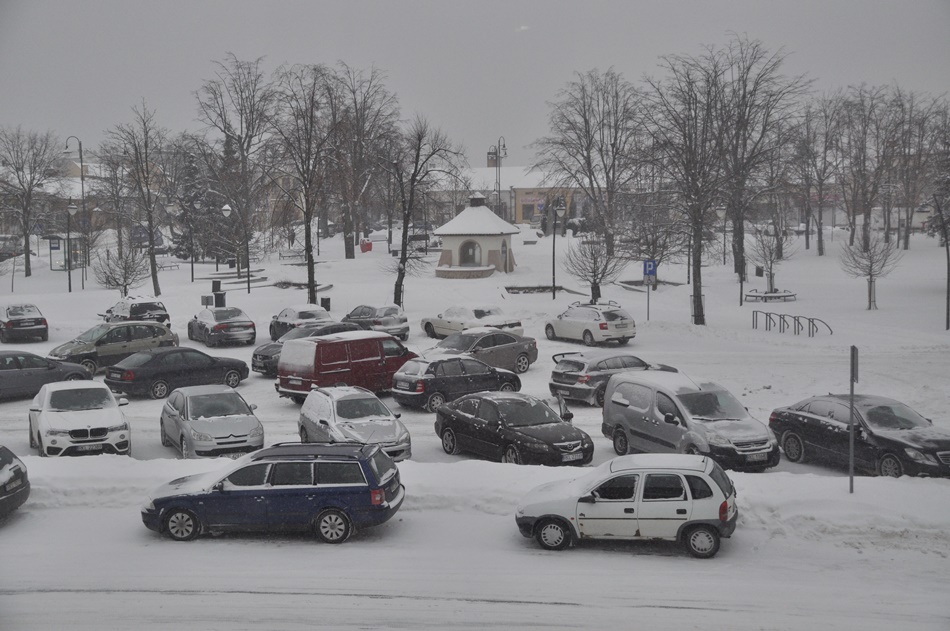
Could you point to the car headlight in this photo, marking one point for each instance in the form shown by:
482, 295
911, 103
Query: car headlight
123, 427
920, 457
199, 436
57, 432
772, 437
719, 441
538, 447
402, 436
149, 505
257, 431
519, 511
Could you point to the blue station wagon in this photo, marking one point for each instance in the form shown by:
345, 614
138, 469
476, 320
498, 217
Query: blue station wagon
329, 489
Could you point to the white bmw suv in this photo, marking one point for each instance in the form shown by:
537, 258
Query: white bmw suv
674, 497
592, 324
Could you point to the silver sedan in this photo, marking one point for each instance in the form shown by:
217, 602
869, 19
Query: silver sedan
210, 421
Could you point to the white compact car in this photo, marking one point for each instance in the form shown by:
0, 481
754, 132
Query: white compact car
673, 497
593, 324
344, 414
455, 319
72, 418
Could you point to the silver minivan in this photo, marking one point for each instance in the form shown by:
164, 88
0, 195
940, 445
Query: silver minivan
667, 412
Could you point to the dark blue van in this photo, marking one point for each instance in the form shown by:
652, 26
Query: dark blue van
329, 489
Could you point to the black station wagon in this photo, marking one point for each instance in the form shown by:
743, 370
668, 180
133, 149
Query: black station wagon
429, 384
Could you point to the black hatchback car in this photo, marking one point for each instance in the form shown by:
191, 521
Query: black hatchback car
22, 322
428, 384
512, 427
159, 371
890, 438
266, 356
329, 489
584, 376
14, 482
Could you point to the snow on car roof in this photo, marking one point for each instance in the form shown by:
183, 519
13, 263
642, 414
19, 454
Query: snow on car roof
658, 461
79, 384
217, 388
673, 381
307, 308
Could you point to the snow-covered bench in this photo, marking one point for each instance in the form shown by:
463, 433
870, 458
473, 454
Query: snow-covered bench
767, 296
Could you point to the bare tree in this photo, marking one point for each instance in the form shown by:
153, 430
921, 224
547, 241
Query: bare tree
110, 184
30, 166
684, 118
303, 128
915, 151
124, 271
877, 260
143, 142
589, 261
940, 223
597, 137
768, 247
364, 114
422, 154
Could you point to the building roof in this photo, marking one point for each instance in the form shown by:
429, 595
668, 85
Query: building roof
476, 220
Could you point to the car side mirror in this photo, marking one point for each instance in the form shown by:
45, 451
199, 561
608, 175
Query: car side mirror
586, 499
397, 415
273, 317
439, 316
669, 418
35, 410
195, 317
324, 421
253, 406
567, 417
123, 401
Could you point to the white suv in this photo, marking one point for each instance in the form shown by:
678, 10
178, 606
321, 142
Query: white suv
343, 414
651, 496
592, 324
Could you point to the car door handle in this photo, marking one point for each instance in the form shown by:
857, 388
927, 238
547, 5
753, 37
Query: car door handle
629, 511
680, 511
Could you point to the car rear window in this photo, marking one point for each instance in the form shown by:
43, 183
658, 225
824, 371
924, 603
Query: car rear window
617, 314
413, 368
227, 314
569, 365
383, 466
387, 311
140, 308
340, 473
21, 311
698, 487
137, 359
721, 479
313, 315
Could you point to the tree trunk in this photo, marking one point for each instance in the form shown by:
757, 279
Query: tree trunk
908, 218
738, 243
808, 225
151, 254
308, 253
348, 249
403, 257
699, 314
594, 293
27, 267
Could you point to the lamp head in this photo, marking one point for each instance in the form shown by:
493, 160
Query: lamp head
72, 208
226, 210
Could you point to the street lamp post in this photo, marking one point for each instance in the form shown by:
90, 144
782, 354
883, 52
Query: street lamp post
226, 211
70, 211
498, 152
559, 212
82, 193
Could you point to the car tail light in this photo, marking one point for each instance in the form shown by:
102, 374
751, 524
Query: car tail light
420, 386
220, 327
603, 326
377, 322
583, 378
724, 511
773, 417
43, 322
378, 496
8, 324
253, 326
128, 375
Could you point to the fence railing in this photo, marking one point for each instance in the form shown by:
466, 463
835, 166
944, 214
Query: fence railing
785, 321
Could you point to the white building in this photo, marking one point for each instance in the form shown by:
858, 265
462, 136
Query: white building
476, 243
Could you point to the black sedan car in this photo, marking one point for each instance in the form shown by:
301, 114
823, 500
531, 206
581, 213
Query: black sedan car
14, 482
512, 427
22, 322
159, 371
219, 325
266, 356
890, 438
23, 374
428, 384
584, 376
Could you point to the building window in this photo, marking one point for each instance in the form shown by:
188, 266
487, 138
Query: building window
470, 254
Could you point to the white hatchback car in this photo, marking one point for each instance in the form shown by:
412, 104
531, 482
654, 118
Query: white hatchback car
72, 418
593, 324
669, 497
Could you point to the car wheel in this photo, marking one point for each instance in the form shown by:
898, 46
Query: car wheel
163, 435
232, 378
450, 444
159, 389
40, 447
404, 337
621, 444
552, 535
890, 466
251, 341
600, 394
181, 525
298, 399
191, 333
74, 377
32, 438
333, 526
623, 341
273, 334
702, 541
588, 338
511, 455
304, 436
430, 331
692, 451
507, 387
45, 336
3, 336
186, 453
549, 332
90, 365
522, 363
793, 447
435, 401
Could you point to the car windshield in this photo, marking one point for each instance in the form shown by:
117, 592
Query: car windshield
312, 315
413, 368
617, 314
361, 407
218, 404
524, 413
22, 311
459, 342
221, 315
487, 311
712, 405
894, 416
80, 399
94, 333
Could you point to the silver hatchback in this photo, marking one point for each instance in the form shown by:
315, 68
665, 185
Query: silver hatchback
210, 421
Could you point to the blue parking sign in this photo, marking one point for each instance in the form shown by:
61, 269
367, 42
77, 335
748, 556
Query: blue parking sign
649, 268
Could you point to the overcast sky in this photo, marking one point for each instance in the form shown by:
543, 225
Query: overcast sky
478, 69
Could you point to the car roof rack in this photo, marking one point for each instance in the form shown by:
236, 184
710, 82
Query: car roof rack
600, 303
314, 450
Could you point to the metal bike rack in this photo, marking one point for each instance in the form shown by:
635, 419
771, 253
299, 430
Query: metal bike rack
784, 321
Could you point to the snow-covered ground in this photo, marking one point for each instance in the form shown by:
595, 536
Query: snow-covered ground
806, 554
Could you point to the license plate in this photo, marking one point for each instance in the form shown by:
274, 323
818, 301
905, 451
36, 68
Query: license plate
294, 382
621, 326
14, 484
756, 457
563, 391
402, 386
570, 457
88, 447
27, 323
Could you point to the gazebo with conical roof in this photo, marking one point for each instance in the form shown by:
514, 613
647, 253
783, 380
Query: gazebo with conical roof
476, 243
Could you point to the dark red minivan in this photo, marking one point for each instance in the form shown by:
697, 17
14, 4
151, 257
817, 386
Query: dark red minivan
355, 358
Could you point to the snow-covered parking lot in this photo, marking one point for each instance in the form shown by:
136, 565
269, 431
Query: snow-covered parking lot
806, 554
